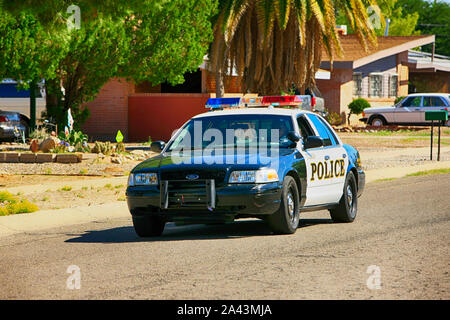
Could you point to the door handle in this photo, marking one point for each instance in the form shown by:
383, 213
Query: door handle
327, 157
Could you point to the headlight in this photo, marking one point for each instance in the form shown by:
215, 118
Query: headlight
254, 176
142, 179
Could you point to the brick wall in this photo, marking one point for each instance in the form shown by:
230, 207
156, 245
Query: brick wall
232, 84
158, 114
109, 111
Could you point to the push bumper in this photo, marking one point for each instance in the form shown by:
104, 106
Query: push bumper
227, 201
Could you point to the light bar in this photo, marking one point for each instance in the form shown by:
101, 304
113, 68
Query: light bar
220, 103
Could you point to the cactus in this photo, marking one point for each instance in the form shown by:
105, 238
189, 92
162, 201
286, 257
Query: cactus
103, 147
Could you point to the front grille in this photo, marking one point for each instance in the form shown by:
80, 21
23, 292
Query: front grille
185, 193
217, 175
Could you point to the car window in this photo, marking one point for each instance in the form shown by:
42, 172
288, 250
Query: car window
323, 131
230, 131
412, 102
433, 102
305, 128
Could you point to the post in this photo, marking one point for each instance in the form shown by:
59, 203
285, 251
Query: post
439, 142
431, 150
32, 105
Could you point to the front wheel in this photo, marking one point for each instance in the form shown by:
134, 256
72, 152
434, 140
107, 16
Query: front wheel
286, 219
148, 226
378, 122
348, 205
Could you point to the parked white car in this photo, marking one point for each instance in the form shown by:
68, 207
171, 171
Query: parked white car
409, 111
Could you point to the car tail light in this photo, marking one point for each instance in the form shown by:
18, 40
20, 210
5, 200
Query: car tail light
3, 119
313, 101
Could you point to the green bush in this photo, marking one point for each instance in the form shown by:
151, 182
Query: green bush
357, 106
77, 139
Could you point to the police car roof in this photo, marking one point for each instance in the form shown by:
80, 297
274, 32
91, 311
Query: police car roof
253, 111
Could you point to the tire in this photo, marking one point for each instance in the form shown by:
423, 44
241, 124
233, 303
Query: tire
148, 226
377, 122
286, 219
348, 205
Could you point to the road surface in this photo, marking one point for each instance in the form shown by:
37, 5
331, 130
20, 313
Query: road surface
397, 248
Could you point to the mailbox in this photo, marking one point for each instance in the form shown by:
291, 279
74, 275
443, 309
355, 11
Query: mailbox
440, 115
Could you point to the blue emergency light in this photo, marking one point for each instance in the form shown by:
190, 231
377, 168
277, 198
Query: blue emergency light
215, 103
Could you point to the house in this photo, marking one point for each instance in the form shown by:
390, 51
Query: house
428, 72
142, 110
379, 75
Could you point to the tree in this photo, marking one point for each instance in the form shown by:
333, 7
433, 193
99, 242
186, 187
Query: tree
27, 53
357, 106
153, 40
275, 44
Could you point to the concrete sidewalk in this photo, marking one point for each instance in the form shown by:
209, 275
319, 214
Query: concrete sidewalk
46, 219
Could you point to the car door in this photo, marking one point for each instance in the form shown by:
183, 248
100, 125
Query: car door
326, 166
431, 103
410, 111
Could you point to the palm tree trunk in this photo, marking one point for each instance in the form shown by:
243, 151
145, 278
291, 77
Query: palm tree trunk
220, 87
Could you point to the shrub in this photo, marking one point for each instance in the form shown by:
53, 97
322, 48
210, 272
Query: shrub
12, 205
77, 139
357, 106
334, 118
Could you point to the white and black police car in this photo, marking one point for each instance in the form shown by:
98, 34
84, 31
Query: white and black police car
261, 157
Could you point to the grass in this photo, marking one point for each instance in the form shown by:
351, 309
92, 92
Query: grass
108, 186
10, 204
434, 171
83, 171
386, 179
122, 198
404, 132
66, 188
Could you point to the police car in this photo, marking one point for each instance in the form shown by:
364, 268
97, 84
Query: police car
261, 157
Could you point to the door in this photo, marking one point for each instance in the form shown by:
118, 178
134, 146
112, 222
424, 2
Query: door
410, 111
326, 167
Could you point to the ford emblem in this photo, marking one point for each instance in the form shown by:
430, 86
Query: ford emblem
192, 176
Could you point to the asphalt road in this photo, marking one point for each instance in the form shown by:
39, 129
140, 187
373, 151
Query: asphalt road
399, 241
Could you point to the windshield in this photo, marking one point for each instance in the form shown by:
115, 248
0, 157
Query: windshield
233, 131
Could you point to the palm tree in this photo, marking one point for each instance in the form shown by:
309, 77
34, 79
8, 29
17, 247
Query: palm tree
274, 44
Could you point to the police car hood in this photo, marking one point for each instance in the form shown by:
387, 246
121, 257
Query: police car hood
171, 162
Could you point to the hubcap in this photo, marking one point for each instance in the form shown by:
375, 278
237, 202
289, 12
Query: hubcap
377, 123
350, 200
291, 206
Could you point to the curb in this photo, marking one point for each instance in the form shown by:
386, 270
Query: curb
46, 219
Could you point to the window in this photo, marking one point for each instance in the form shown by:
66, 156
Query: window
323, 130
305, 128
433, 102
375, 85
357, 84
412, 102
393, 85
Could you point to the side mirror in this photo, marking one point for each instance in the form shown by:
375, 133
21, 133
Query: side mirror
157, 146
313, 142
293, 136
